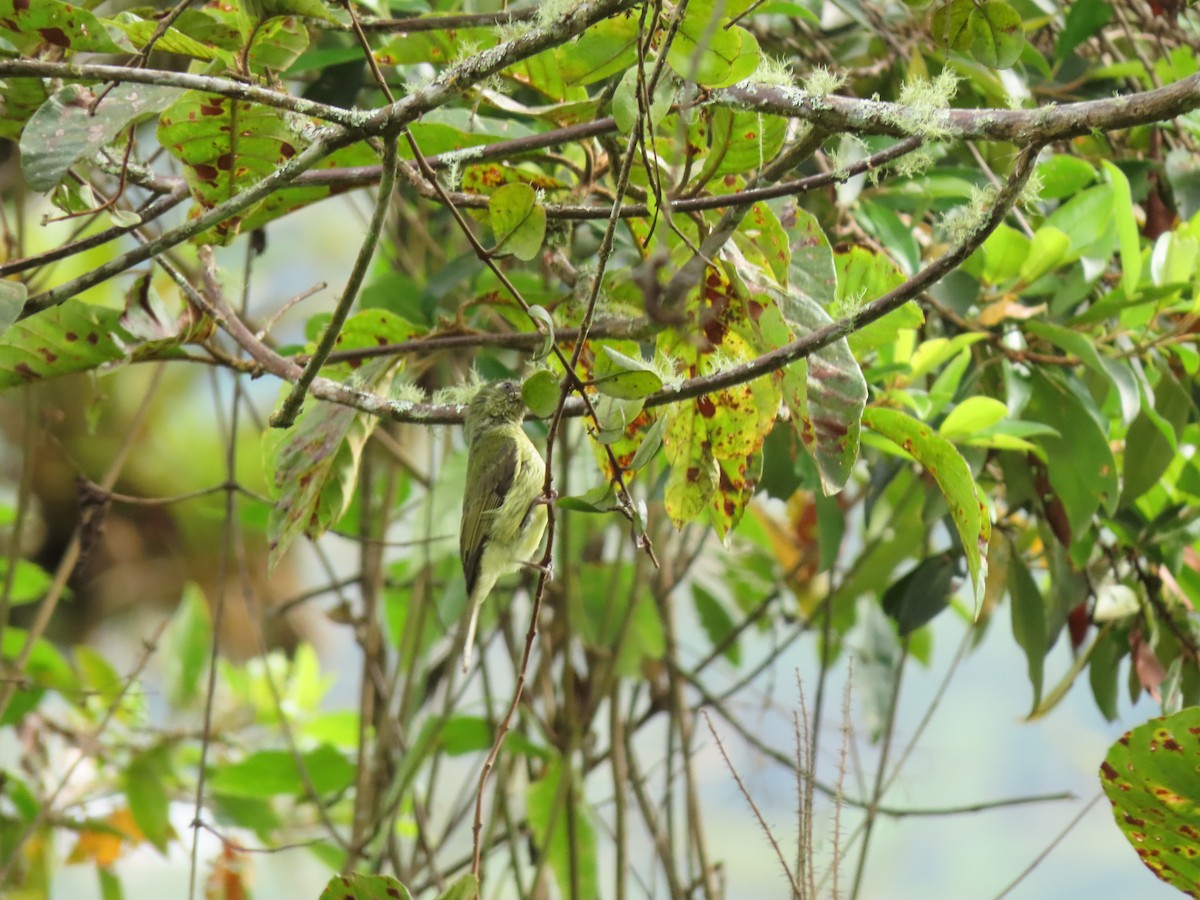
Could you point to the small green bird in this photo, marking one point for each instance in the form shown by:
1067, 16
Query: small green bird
503, 519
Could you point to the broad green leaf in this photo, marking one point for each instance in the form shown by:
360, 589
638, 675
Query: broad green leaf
716, 622
63, 26
996, 36
742, 142
563, 831
518, 221
826, 398
465, 887
949, 25
1004, 252
1082, 21
710, 51
1104, 669
541, 392
186, 647
624, 377
950, 471
313, 465
893, 233
20, 98
1084, 347
650, 445
1064, 176
973, 415
71, 337
1149, 776
65, 130
1084, 219
144, 783
29, 581
863, 276
625, 101
763, 236
289, 199
694, 471
225, 146
1081, 468
268, 773
438, 47
465, 734
1028, 622
139, 31
359, 886
1047, 250
811, 271
1149, 452
920, 594
1127, 229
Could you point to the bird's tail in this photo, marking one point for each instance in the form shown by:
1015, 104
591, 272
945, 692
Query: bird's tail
469, 644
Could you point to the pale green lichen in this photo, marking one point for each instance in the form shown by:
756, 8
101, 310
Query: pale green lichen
404, 395
911, 164
667, 367
820, 82
965, 221
774, 71
921, 107
1031, 193
551, 11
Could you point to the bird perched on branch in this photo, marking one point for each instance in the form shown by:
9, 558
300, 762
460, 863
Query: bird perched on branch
503, 516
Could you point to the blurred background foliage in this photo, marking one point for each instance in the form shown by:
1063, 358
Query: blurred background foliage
653, 204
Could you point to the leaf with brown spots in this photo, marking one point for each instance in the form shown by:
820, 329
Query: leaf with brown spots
357, 886
53, 25
226, 146
943, 461
1150, 778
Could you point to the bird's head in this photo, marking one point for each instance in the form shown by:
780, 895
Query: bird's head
498, 403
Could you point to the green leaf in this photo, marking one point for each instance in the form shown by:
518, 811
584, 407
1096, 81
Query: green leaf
12, 301
996, 36
186, 647
50, 22
1103, 671
1083, 20
862, 276
1083, 346
811, 271
825, 396
1004, 251
973, 415
29, 581
716, 622
1149, 776
1047, 250
226, 146
1064, 176
625, 101
269, 773
313, 465
541, 392
518, 221
710, 51
1028, 622
357, 886
624, 377
1149, 452
950, 471
465, 887
562, 830
1127, 229
466, 734
144, 783
71, 337
20, 98
139, 31
920, 594
949, 25
1079, 460
1084, 219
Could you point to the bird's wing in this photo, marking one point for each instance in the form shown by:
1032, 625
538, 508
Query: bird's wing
490, 469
